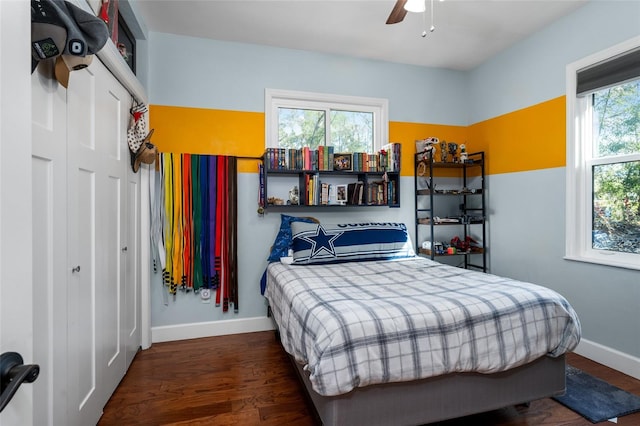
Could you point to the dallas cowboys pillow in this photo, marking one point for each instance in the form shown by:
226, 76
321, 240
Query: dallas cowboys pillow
327, 243
282, 243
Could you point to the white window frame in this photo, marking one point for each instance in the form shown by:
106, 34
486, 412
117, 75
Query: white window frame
274, 99
579, 179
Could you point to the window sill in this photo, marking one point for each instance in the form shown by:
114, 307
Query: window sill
606, 262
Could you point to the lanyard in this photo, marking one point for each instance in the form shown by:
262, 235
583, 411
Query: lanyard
177, 222
168, 225
187, 225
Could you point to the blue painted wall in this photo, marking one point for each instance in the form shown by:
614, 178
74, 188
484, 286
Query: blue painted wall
527, 208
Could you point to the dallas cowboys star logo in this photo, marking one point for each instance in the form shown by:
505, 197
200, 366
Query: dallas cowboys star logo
322, 241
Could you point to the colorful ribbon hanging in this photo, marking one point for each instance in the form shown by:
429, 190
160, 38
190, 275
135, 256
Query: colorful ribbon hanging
187, 223
197, 222
167, 164
199, 229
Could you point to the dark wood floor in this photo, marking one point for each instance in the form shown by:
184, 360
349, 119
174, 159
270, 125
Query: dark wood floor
246, 379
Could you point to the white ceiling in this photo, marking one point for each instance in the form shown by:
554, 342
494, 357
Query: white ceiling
467, 32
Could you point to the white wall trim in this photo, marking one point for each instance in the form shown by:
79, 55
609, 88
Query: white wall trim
145, 257
170, 333
612, 358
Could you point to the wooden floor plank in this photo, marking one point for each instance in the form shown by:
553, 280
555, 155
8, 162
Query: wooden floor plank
247, 379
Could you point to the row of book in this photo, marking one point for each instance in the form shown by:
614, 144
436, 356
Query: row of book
319, 193
325, 159
300, 159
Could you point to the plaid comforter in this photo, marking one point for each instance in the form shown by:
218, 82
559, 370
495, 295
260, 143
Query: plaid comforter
361, 323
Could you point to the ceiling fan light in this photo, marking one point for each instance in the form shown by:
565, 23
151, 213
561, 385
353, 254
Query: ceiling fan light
415, 6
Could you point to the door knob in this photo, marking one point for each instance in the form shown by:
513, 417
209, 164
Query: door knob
12, 374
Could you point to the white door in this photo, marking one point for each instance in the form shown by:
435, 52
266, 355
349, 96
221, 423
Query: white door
87, 317
112, 106
97, 113
50, 268
16, 295
51, 312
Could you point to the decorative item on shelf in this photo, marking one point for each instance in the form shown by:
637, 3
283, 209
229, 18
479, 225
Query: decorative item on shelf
343, 161
449, 219
383, 161
453, 150
468, 245
427, 147
471, 219
294, 196
437, 246
464, 156
422, 168
274, 201
443, 151
341, 194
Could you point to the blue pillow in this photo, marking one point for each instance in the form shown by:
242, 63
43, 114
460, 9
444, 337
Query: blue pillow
324, 243
282, 243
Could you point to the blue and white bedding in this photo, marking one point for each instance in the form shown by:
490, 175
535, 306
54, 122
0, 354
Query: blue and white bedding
362, 323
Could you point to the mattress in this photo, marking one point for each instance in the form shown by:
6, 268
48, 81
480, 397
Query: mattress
357, 324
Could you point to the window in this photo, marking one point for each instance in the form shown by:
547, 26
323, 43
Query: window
603, 157
349, 124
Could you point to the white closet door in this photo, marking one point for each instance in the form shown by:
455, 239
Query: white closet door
86, 172
50, 267
97, 108
111, 118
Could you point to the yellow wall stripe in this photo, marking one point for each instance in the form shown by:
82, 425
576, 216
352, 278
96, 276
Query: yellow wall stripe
208, 131
532, 138
528, 139
408, 133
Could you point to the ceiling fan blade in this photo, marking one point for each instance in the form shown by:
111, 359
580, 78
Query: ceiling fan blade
398, 13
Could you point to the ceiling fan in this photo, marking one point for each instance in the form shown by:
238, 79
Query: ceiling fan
398, 12
401, 8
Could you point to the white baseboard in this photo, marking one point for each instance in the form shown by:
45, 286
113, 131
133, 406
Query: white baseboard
612, 358
208, 329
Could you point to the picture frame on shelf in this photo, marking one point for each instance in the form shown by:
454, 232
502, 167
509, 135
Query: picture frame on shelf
343, 161
341, 194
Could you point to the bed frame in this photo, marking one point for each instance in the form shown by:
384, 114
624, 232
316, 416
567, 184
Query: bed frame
438, 398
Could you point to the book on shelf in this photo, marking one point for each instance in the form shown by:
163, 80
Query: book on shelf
324, 194
391, 157
322, 159
355, 193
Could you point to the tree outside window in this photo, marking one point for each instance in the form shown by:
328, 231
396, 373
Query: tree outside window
616, 183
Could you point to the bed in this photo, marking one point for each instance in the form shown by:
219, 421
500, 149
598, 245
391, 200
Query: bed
379, 336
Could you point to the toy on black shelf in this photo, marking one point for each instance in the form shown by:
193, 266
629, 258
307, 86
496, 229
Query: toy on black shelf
294, 196
443, 151
427, 147
274, 201
464, 156
467, 245
453, 150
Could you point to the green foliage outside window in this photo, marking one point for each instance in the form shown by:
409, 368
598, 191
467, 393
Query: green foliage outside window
616, 185
350, 131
